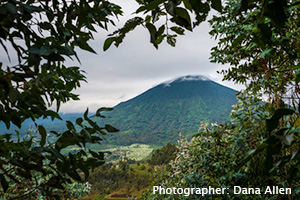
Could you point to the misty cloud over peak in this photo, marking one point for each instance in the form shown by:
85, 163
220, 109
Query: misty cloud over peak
186, 78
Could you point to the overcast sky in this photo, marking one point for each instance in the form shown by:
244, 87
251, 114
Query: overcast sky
122, 73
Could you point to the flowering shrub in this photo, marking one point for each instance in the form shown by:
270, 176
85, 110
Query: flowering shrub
213, 157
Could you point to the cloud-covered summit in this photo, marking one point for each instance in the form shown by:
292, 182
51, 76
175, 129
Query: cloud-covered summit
185, 78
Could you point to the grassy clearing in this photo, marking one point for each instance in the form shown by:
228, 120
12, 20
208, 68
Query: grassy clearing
135, 152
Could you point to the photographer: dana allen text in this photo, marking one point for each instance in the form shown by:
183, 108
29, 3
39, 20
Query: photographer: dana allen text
237, 190
268, 190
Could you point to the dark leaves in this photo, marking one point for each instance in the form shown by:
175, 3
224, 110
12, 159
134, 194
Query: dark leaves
170, 11
108, 43
217, 5
120, 34
4, 183
48, 32
43, 134
274, 121
178, 30
275, 144
276, 11
110, 129
103, 109
152, 31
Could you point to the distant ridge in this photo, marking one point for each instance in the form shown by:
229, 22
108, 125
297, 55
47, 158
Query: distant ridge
158, 115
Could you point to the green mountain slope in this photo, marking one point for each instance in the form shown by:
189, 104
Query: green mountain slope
158, 115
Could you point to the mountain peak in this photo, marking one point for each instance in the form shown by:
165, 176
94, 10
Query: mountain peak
158, 115
185, 78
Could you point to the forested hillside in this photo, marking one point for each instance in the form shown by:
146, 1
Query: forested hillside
158, 115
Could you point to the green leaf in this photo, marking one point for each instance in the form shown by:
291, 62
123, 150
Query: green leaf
53, 115
45, 51
55, 153
25, 174
140, 9
183, 13
217, 5
170, 7
43, 134
177, 30
274, 121
154, 4
275, 10
237, 41
4, 183
98, 112
79, 121
54, 181
182, 22
85, 115
70, 125
265, 53
266, 32
148, 19
110, 129
187, 5
160, 38
108, 43
46, 26
286, 139
34, 50
160, 31
252, 153
11, 8
85, 46
171, 40
152, 30
18, 135
99, 155
297, 76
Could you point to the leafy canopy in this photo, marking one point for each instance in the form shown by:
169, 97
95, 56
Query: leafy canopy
42, 35
165, 19
260, 40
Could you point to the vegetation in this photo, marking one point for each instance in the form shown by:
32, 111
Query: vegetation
124, 178
261, 43
213, 157
41, 35
259, 146
163, 155
135, 152
259, 39
127, 177
264, 51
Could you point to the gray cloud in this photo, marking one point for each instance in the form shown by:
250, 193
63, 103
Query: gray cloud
122, 73
135, 66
